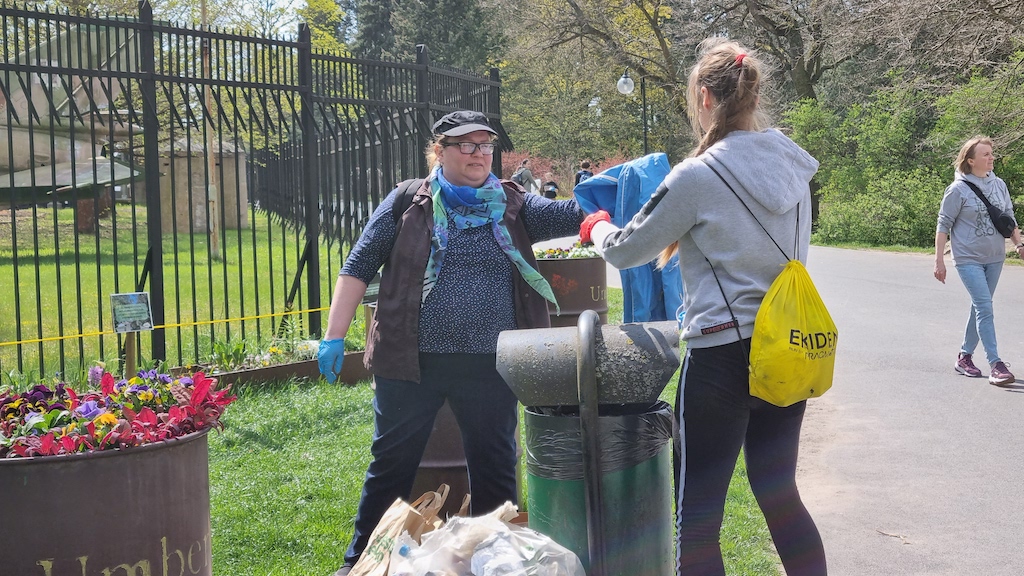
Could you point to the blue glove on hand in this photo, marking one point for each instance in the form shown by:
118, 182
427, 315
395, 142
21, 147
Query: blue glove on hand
330, 357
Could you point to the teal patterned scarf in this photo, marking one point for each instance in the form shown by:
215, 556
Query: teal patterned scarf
473, 207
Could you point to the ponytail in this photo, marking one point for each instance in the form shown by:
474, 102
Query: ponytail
732, 76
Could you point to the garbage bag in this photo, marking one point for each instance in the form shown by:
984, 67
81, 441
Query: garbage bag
484, 546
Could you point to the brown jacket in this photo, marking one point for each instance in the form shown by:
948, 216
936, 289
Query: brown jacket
392, 341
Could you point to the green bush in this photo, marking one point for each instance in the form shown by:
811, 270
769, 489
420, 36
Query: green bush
895, 208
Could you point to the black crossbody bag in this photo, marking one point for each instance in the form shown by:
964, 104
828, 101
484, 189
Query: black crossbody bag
1001, 220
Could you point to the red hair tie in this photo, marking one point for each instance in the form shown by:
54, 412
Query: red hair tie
739, 59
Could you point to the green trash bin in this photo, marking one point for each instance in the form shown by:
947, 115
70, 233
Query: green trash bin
636, 487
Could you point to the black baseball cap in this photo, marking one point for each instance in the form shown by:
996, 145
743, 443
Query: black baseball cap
462, 122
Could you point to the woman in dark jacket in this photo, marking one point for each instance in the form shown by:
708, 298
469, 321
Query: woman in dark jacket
440, 309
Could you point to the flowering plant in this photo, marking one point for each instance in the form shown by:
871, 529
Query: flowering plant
240, 355
577, 250
148, 408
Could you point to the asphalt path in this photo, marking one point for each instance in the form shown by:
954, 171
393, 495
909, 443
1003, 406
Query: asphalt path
906, 466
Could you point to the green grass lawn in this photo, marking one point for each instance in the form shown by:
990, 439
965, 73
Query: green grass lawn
286, 474
253, 277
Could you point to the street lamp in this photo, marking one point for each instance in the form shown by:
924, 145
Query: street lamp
625, 86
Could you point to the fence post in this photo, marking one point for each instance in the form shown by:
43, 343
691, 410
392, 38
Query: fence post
494, 108
423, 106
310, 179
151, 153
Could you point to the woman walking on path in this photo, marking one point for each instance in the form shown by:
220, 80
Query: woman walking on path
694, 213
978, 250
458, 269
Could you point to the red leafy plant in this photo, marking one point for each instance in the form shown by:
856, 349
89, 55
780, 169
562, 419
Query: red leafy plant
147, 408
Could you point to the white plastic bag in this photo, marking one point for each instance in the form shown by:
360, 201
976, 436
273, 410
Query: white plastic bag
498, 555
484, 546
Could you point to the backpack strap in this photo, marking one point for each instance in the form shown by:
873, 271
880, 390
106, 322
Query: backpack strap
988, 205
996, 215
735, 322
406, 191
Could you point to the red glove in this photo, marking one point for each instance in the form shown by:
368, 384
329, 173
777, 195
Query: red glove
589, 222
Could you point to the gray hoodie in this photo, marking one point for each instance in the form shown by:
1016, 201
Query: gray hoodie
962, 215
770, 173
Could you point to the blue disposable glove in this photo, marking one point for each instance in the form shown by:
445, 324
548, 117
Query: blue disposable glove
330, 357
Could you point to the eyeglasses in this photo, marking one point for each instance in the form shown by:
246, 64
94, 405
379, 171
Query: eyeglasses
486, 148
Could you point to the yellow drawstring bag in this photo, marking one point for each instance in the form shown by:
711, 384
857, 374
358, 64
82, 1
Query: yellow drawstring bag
793, 348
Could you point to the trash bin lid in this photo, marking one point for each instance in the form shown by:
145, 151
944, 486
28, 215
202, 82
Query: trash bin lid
634, 363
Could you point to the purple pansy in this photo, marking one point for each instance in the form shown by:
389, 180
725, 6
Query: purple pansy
89, 409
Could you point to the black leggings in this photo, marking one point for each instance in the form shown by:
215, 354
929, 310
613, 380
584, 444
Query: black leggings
718, 417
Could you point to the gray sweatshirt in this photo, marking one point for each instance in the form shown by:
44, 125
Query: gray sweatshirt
963, 216
770, 173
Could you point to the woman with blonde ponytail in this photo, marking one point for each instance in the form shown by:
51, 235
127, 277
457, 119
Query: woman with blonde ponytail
727, 264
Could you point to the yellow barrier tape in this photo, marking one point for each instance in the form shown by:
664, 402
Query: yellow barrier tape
159, 327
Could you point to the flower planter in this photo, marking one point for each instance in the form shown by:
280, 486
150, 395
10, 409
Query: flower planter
352, 372
444, 462
579, 284
140, 511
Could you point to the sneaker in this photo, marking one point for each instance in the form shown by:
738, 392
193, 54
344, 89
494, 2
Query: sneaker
344, 570
1000, 375
965, 366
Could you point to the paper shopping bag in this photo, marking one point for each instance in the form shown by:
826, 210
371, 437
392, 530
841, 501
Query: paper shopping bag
416, 519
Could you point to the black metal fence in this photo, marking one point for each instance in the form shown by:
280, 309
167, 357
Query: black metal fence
225, 174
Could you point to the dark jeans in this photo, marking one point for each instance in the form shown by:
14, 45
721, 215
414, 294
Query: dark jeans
718, 417
404, 413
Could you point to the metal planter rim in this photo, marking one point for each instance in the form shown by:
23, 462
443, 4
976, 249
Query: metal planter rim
93, 454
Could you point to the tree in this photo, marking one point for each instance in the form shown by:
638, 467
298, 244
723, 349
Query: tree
549, 108
559, 98
937, 45
219, 13
634, 34
806, 39
459, 33
325, 20
267, 18
878, 185
375, 35
989, 105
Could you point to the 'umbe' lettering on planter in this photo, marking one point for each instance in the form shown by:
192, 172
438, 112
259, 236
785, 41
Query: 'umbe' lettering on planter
194, 560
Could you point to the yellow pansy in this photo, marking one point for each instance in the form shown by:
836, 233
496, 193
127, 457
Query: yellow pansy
105, 419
